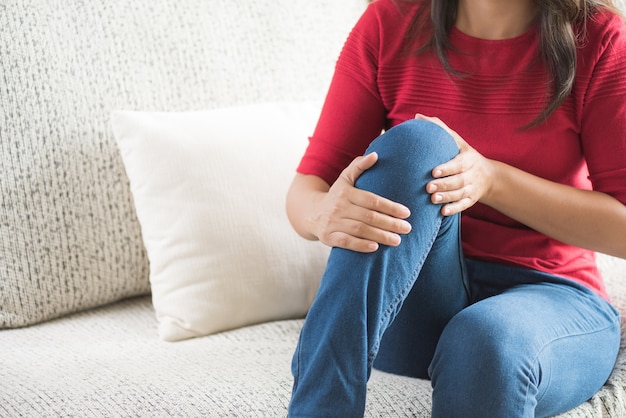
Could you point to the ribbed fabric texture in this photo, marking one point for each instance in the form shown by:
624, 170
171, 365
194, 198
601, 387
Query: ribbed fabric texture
582, 144
69, 237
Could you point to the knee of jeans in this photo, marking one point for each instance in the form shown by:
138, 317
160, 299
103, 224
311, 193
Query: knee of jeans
414, 142
407, 154
479, 371
480, 347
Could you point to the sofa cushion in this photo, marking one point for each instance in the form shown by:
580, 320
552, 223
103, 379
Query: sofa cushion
69, 236
109, 363
209, 188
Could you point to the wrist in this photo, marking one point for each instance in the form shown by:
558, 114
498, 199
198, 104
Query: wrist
312, 216
494, 178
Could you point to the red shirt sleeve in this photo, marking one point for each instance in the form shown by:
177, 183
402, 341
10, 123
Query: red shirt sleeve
353, 114
603, 130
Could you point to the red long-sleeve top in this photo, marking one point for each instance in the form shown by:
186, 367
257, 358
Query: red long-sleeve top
376, 85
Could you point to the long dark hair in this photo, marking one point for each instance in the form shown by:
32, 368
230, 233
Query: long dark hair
556, 21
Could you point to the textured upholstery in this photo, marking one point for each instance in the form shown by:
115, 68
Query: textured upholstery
66, 368
69, 238
109, 362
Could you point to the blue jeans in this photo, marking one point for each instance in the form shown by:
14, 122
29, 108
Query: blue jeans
497, 341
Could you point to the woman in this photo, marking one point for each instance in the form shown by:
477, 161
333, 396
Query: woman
463, 240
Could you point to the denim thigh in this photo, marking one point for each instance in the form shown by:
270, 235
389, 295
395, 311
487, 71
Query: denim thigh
539, 347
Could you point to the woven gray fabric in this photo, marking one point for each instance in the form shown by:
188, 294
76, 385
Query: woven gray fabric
109, 362
69, 237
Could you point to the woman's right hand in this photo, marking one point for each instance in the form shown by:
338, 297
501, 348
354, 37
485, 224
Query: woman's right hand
344, 216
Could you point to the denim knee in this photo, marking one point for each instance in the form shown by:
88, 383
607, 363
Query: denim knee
407, 154
533, 350
416, 137
475, 356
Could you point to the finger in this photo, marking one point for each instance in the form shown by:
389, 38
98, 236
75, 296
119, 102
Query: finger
362, 224
358, 166
457, 207
358, 236
376, 203
347, 241
379, 222
367, 232
433, 119
367, 199
452, 196
448, 184
460, 142
450, 168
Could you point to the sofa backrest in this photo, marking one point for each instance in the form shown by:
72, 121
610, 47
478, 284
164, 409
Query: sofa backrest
69, 237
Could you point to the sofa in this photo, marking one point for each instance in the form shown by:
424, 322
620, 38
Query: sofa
147, 267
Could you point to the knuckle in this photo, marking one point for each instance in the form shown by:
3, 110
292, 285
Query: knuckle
324, 222
342, 240
465, 203
343, 193
358, 229
444, 186
398, 225
334, 209
370, 217
373, 201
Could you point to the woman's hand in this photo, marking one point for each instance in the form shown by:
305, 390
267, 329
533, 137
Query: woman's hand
344, 216
462, 181
356, 219
583, 218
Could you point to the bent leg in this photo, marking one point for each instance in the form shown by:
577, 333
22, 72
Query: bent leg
440, 292
533, 351
360, 294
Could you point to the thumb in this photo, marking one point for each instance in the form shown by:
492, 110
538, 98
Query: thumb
359, 166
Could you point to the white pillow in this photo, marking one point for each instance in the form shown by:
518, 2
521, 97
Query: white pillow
209, 189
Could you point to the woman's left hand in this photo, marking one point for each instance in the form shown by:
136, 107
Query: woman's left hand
462, 181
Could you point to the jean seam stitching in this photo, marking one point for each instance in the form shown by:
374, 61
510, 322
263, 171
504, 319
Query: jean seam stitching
613, 325
397, 300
